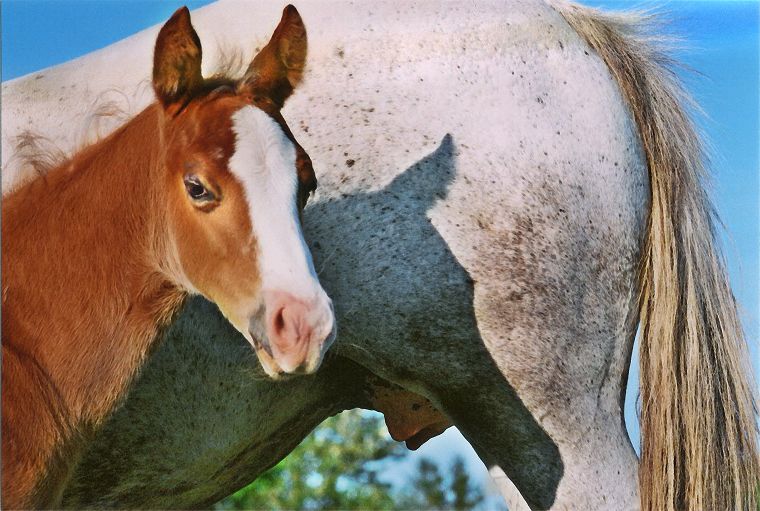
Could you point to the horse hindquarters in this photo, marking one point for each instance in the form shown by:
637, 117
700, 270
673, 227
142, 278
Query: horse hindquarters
699, 432
551, 236
699, 446
493, 268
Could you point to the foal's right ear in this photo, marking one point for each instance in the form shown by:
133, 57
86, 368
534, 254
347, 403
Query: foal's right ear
177, 61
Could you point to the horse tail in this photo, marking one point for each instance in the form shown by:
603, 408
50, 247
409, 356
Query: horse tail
698, 407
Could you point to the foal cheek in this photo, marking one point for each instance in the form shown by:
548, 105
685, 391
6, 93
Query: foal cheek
237, 278
200, 247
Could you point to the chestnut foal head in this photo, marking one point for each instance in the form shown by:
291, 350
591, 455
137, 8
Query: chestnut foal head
237, 181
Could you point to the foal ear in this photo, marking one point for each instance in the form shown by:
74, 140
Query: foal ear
278, 68
177, 61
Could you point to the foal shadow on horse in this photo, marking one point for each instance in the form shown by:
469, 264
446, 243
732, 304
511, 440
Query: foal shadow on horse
405, 310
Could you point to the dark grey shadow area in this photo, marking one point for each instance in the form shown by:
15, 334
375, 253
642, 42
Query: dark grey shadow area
201, 421
405, 311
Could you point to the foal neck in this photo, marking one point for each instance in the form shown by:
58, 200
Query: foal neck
84, 286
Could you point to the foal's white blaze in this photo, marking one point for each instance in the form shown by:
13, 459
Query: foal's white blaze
264, 161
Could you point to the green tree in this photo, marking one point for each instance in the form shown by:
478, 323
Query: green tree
336, 467
339, 466
430, 489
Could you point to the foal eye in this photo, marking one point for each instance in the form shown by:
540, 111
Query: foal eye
196, 190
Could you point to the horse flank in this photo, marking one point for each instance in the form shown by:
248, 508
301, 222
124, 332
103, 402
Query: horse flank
699, 444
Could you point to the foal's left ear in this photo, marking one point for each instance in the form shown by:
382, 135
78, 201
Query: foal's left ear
278, 68
177, 61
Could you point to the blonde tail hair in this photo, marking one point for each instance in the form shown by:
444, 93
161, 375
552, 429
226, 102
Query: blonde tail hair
698, 418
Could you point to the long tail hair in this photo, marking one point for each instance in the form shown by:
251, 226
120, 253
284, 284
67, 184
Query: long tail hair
698, 407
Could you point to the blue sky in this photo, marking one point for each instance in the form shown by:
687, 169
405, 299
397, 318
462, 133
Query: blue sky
721, 45
39, 33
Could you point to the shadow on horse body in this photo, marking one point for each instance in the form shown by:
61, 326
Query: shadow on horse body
413, 290
203, 419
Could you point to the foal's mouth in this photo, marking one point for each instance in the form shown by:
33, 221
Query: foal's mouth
260, 345
291, 334
267, 361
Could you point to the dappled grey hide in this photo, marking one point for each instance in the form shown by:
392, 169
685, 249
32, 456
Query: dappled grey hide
416, 322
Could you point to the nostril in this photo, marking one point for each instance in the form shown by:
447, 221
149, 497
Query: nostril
278, 324
285, 326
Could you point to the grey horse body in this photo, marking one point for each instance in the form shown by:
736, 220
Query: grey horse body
481, 205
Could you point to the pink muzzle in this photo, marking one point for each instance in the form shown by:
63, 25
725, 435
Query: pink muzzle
298, 330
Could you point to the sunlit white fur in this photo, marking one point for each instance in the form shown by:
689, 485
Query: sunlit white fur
264, 161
